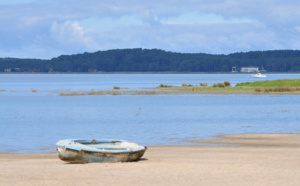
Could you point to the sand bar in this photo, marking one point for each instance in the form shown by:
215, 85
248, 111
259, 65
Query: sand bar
255, 140
258, 162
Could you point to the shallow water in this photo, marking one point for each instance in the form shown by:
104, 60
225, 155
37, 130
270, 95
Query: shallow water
34, 121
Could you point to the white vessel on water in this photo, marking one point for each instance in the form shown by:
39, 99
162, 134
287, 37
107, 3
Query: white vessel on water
258, 75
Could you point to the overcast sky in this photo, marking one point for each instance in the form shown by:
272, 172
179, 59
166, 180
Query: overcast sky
49, 28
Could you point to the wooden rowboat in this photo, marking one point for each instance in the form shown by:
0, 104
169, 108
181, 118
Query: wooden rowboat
88, 151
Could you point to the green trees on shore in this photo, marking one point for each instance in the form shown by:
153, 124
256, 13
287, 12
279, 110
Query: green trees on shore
154, 60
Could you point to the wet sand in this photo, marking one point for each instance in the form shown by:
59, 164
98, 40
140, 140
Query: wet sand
257, 159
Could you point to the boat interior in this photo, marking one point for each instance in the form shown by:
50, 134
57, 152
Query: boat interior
106, 145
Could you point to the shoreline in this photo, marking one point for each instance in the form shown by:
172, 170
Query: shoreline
255, 140
223, 140
257, 160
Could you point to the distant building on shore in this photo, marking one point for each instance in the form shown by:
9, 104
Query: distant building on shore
249, 69
234, 69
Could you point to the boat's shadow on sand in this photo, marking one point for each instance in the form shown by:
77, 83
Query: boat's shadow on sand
142, 159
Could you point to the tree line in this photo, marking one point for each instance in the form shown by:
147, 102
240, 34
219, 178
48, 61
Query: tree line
155, 60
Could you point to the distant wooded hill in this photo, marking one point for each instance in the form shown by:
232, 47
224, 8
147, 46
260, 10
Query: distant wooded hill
155, 60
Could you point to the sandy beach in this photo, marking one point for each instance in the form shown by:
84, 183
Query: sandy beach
252, 159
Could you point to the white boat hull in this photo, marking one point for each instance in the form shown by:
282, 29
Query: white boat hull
259, 75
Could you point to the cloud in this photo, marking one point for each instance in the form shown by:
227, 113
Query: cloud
212, 26
70, 34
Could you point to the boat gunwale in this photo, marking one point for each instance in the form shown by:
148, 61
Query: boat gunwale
76, 146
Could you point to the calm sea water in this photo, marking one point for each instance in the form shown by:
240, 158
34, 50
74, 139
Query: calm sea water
34, 121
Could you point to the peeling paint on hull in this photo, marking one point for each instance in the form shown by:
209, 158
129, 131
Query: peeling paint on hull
99, 151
